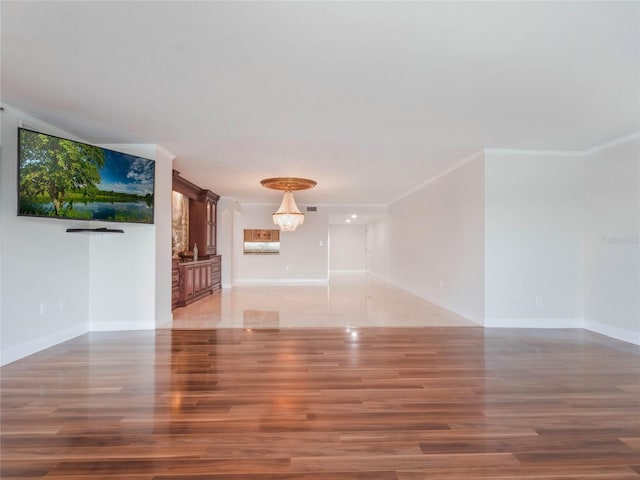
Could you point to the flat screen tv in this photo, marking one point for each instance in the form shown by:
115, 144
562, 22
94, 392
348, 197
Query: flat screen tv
60, 178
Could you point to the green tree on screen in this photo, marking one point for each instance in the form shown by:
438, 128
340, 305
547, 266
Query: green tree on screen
57, 167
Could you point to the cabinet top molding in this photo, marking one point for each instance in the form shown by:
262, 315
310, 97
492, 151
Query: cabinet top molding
191, 190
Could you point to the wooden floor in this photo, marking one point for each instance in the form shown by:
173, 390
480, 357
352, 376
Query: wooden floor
339, 404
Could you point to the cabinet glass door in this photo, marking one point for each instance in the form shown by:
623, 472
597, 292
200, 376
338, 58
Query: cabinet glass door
211, 227
208, 223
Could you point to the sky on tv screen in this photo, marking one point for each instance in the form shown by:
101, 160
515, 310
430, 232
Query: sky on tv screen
126, 173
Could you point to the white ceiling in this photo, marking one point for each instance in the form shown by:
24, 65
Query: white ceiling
368, 99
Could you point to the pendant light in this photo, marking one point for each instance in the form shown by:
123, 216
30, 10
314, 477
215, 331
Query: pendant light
288, 217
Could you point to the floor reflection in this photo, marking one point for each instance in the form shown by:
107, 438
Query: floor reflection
355, 300
261, 319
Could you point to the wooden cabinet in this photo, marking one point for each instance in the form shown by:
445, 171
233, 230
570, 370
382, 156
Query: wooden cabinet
216, 273
202, 222
197, 279
202, 214
256, 235
175, 283
261, 242
194, 280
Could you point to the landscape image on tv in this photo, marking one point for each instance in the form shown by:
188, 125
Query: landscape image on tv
61, 178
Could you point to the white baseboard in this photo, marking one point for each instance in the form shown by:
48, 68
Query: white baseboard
280, 281
164, 320
618, 333
533, 322
464, 314
121, 326
612, 331
33, 346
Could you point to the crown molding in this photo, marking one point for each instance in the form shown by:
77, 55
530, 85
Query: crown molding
550, 153
453, 168
30, 122
166, 153
612, 143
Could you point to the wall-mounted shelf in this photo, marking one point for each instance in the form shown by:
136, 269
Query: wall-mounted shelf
95, 230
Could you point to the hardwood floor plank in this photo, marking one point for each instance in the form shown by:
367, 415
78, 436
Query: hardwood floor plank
22, 469
369, 475
399, 462
178, 466
524, 472
309, 404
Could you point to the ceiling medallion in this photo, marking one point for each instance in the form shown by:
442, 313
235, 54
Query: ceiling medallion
288, 184
288, 217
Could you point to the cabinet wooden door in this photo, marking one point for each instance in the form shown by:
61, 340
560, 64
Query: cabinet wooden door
216, 272
175, 283
196, 280
257, 235
189, 284
205, 276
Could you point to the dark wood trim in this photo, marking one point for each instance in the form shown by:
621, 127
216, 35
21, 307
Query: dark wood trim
191, 190
185, 187
208, 194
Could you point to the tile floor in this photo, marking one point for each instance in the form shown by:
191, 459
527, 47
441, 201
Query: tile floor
350, 300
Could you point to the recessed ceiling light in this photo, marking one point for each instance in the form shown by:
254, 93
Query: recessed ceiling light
354, 216
348, 220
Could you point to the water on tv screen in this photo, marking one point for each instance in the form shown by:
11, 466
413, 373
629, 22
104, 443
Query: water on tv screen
62, 178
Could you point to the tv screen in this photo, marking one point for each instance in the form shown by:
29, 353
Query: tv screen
61, 178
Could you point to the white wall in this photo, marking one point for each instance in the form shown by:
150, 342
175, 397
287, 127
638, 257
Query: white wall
611, 232
347, 248
162, 214
533, 257
45, 271
432, 243
378, 248
56, 285
226, 211
303, 254
122, 279
511, 238
122, 273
